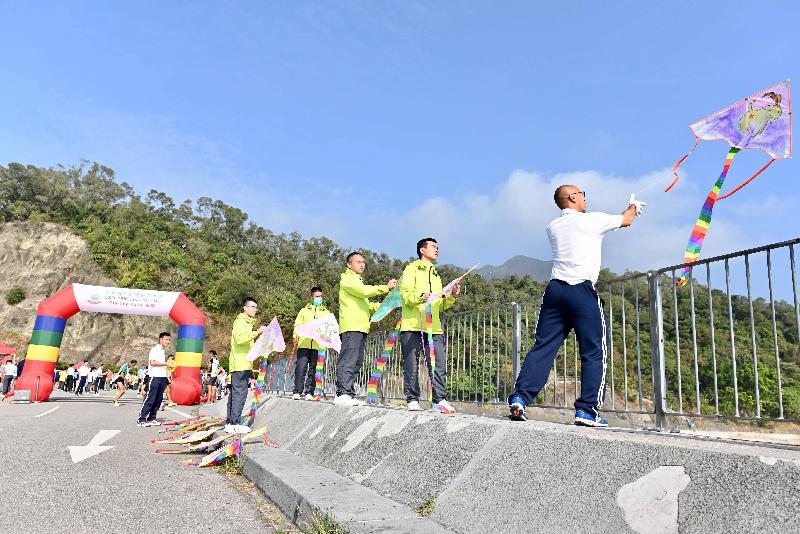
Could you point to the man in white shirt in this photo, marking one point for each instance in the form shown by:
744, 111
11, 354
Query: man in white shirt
83, 375
157, 370
571, 301
10, 373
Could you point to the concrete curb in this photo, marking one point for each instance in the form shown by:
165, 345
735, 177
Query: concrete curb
302, 489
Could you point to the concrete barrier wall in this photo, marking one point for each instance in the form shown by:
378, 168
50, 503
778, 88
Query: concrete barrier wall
493, 475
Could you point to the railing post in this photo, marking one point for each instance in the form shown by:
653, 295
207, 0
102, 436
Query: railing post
657, 349
516, 339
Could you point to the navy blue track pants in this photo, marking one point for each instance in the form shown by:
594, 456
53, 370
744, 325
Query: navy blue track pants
566, 307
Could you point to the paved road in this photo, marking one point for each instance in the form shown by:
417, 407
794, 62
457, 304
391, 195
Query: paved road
125, 489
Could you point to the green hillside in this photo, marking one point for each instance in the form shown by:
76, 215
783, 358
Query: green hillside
214, 254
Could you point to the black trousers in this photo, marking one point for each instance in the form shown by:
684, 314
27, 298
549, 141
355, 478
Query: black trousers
154, 397
304, 371
351, 358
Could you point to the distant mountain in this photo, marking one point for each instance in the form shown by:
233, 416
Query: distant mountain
519, 265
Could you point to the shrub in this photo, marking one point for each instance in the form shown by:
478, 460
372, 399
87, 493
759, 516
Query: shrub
15, 295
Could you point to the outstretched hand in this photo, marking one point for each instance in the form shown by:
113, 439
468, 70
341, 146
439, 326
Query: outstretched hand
637, 204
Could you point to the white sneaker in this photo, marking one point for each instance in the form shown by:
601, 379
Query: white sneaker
444, 407
296, 396
414, 406
230, 429
347, 400
243, 429
309, 396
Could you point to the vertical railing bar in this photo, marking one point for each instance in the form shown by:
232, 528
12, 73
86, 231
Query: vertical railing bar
491, 356
713, 337
575, 362
565, 371
677, 341
794, 291
775, 336
752, 336
733, 339
483, 361
624, 349
694, 343
638, 343
611, 341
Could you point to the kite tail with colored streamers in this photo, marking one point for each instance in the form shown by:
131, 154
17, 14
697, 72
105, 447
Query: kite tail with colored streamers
318, 373
259, 390
380, 365
291, 359
431, 347
704, 221
678, 164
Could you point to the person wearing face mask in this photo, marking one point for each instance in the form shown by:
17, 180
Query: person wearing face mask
306, 347
354, 313
419, 280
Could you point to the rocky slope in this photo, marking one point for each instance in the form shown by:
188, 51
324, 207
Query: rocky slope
43, 258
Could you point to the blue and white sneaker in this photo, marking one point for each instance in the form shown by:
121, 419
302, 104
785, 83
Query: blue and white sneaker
517, 407
586, 419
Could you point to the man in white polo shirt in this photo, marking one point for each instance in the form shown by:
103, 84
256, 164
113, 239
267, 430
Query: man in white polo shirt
157, 369
571, 301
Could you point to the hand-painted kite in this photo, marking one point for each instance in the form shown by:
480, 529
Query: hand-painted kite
762, 121
234, 449
271, 340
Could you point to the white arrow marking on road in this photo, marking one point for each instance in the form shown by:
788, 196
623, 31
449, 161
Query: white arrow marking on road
81, 452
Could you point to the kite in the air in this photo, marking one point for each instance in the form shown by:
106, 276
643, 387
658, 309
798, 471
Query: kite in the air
762, 121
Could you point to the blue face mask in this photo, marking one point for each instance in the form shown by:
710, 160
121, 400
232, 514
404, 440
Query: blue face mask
317, 301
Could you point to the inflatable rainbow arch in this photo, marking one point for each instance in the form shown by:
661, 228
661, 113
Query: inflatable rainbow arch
45, 344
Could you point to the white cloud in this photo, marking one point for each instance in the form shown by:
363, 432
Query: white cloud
491, 227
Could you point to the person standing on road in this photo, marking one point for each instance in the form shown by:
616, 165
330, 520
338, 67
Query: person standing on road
211, 379
70, 378
83, 376
306, 348
9, 373
242, 338
354, 313
157, 370
570, 301
420, 279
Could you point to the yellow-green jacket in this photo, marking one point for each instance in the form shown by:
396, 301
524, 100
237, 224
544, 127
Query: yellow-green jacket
418, 278
242, 338
306, 315
354, 305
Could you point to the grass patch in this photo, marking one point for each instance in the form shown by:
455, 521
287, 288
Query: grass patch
426, 508
232, 465
323, 524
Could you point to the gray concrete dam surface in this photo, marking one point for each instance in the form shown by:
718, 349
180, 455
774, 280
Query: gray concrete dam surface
373, 468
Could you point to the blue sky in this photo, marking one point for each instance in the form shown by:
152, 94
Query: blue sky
375, 123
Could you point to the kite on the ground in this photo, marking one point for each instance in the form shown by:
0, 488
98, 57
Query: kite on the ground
762, 121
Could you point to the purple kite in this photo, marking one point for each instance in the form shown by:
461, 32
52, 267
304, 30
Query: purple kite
762, 121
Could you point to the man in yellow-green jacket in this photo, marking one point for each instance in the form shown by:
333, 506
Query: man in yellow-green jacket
306, 347
242, 338
354, 313
419, 280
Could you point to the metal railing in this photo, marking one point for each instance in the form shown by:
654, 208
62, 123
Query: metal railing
696, 350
